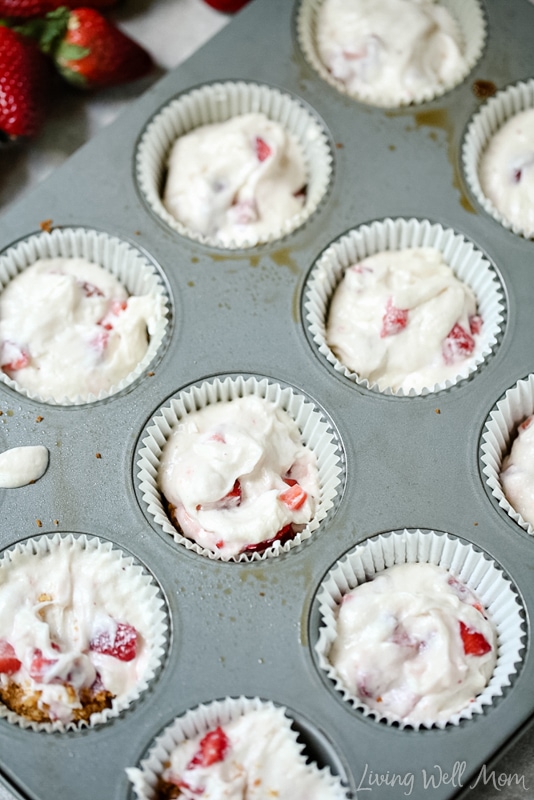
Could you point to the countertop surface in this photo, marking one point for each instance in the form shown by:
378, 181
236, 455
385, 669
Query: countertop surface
172, 30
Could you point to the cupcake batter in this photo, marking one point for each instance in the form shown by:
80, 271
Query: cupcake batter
237, 476
390, 52
237, 181
414, 644
507, 171
68, 645
68, 329
252, 757
403, 320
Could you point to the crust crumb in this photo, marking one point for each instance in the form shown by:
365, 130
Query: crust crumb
437, 411
151, 374
27, 705
98, 455
38, 523
39, 418
46, 225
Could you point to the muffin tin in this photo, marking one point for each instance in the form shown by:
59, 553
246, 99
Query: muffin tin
249, 629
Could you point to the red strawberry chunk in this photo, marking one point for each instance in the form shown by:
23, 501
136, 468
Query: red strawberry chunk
40, 665
475, 643
121, 644
526, 423
14, 357
283, 536
458, 344
263, 150
294, 497
117, 306
213, 748
475, 323
394, 319
9, 663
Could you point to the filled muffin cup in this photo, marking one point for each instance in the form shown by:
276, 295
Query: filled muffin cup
217, 103
480, 131
316, 432
500, 432
120, 581
469, 566
197, 722
129, 266
468, 15
468, 264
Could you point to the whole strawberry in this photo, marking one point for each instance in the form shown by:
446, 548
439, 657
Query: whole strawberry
24, 9
24, 78
91, 52
227, 6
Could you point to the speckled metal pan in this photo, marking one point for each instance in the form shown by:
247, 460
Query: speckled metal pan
249, 629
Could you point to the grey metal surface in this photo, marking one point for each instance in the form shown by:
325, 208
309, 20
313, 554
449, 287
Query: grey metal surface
245, 628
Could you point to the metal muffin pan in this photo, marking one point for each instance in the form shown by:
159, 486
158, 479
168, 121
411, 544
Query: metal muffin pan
414, 462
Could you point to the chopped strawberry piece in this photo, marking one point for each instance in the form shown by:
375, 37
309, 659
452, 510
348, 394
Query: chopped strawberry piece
263, 150
121, 644
230, 500
289, 481
294, 497
9, 663
14, 357
220, 544
213, 748
526, 423
282, 536
458, 344
217, 437
516, 175
90, 290
40, 665
475, 643
475, 323
394, 319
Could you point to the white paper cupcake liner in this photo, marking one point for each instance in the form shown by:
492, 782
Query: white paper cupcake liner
119, 576
483, 126
199, 721
219, 102
468, 264
468, 565
127, 264
467, 13
317, 434
497, 439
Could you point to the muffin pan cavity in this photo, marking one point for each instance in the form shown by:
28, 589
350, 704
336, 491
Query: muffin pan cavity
316, 430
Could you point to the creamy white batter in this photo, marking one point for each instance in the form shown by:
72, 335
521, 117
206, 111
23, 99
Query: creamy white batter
22, 465
237, 181
507, 171
68, 328
414, 644
61, 604
403, 320
238, 474
255, 757
389, 52
517, 475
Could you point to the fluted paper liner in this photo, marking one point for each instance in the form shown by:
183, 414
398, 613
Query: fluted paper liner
467, 262
127, 264
467, 13
468, 565
484, 125
118, 575
219, 102
498, 437
199, 721
316, 431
